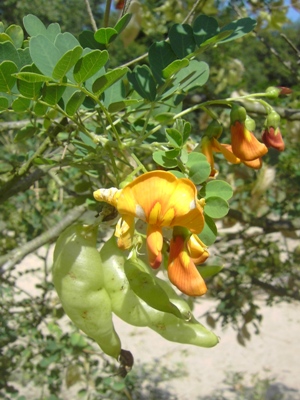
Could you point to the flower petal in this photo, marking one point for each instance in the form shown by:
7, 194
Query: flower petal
197, 250
255, 164
110, 195
244, 144
226, 150
273, 138
182, 271
207, 150
161, 199
124, 231
154, 245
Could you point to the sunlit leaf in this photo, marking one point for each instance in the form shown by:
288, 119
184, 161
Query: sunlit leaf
174, 137
239, 27
34, 26
8, 52
209, 232
105, 35
174, 67
217, 188
216, 207
207, 271
65, 42
44, 54
89, 64
122, 23
105, 81
67, 61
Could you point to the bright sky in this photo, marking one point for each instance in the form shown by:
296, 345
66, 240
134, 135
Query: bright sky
293, 14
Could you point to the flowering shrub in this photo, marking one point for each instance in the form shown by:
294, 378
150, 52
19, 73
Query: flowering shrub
123, 135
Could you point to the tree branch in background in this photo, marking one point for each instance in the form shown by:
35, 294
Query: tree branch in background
9, 260
268, 225
21, 184
90, 13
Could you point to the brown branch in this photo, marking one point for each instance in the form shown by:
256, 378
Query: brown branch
21, 184
13, 125
9, 260
274, 289
287, 113
268, 225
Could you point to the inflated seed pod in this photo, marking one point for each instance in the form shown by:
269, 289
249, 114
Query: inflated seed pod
78, 280
128, 306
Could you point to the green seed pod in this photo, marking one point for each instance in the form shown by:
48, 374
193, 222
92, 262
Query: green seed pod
135, 311
125, 303
144, 284
177, 300
78, 280
180, 331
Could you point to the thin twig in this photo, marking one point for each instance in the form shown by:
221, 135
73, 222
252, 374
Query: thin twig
297, 51
90, 13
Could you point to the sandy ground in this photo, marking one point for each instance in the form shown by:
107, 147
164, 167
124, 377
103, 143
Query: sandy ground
195, 373
272, 355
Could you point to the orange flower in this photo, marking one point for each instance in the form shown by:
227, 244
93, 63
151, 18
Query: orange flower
182, 271
159, 199
244, 144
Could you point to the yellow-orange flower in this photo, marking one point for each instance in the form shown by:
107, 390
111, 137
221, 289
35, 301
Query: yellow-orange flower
212, 145
182, 271
159, 199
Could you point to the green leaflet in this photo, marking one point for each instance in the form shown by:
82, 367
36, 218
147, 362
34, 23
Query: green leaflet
182, 40
7, 81
89, 64
105, 35
143, 82
66, 62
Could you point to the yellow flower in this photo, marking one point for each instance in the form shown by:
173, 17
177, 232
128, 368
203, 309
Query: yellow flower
159, 199
182, 272
197, 249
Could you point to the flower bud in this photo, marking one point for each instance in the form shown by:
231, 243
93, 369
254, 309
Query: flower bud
250, 123
214, 129
273, 92
272, 120
271, 135
238, 113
